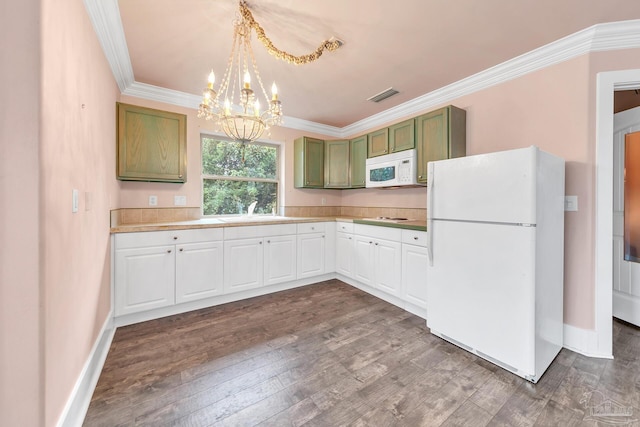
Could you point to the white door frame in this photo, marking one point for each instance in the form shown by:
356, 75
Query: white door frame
607, 83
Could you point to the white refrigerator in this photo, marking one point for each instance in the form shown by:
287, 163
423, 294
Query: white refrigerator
495, 226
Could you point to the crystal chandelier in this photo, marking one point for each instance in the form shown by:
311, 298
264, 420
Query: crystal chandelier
239, 115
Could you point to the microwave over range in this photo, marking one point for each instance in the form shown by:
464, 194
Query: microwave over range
392, 170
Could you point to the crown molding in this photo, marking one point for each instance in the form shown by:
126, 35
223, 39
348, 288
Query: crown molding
105, 17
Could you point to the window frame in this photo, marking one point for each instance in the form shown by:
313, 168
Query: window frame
277, 180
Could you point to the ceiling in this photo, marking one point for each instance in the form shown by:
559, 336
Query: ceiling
414, 46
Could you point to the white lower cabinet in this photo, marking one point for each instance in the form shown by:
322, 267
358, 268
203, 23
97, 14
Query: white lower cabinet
415, 257
378, 257
311, 255
279, 259
159, 269
243, 264
144, 279
344, 254
387, 264
198, 271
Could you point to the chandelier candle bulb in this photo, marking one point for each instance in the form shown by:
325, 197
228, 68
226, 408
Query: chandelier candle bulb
227, 107
274, 92
211, 80
247, 80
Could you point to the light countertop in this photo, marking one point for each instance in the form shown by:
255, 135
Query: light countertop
258, 220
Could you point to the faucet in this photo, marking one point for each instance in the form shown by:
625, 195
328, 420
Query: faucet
252, 206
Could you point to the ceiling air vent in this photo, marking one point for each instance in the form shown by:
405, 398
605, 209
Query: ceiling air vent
383, 95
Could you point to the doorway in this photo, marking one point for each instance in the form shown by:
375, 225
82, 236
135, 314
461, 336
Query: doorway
600, 343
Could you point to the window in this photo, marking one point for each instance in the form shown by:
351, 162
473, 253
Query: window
230, 183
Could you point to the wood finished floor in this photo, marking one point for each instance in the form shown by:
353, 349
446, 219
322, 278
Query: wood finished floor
329, 355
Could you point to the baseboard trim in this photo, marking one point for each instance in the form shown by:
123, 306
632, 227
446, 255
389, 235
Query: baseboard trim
583, 341
78, 403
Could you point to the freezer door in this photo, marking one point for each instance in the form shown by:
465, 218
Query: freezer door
497, 187
480, 290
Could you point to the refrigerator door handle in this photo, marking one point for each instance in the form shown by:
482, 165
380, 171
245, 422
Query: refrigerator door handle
430, 213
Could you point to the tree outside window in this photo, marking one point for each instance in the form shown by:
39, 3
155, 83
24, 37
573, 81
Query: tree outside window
234, 175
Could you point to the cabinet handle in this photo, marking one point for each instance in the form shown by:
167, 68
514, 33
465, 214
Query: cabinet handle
260, 241
181, 249
415, 238
313, 228
268, 241
349, 238
175, 237
179, 176
370, 242
323, 236
376, 243
168, 251
385, 151
419, 176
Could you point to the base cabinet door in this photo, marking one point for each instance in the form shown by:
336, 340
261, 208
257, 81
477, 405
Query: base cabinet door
311, 255
388, 266
414, 274
363, 260
344, 254
243, 264
144, 279
198, 271
279, 259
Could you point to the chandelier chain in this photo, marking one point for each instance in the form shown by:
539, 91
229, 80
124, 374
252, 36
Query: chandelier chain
329, 45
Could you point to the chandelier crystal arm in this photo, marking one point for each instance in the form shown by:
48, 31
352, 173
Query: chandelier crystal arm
329, 45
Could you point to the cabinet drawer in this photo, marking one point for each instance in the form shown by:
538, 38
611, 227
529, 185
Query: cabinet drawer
311, 227
345, 227
412, 237
387, 233
168, 237
250, 232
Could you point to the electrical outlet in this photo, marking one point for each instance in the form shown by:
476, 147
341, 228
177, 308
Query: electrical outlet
570, 203
180, 200
153, 200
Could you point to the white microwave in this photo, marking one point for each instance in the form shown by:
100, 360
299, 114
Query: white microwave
392, 170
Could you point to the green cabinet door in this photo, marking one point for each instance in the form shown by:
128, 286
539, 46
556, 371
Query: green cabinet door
336, 164
358, 161
308, 163
402, 136
440, 134
378, 143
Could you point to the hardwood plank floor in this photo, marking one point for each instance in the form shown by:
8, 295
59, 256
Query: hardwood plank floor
329, 354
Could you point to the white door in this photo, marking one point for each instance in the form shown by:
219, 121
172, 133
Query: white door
387, 264
626, 274
279, 259
243, 264
311, 254
198, 271
144, 279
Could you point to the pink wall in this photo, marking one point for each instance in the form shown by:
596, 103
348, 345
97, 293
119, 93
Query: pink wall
77, 145
21, 400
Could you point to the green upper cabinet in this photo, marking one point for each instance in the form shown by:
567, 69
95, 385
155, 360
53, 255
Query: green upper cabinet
440, 134
358, 161
402, 136
308, 167
152, 144
378, 143
336, 164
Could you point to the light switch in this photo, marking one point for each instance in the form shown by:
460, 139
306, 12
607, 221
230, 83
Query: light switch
570, 203
153, 200
180, 200
74, 201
